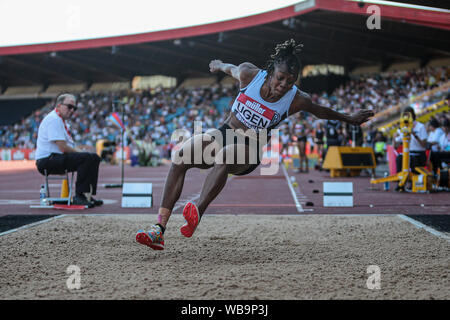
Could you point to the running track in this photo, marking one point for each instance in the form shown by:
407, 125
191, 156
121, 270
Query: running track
251, 194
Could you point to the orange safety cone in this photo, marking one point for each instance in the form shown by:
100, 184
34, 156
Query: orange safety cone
64, 189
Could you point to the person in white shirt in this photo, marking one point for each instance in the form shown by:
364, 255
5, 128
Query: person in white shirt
444, 141
443, 153
56, 152
417, 145
434, 135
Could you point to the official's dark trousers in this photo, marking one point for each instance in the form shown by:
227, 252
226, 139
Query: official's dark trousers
84, 163
416, 159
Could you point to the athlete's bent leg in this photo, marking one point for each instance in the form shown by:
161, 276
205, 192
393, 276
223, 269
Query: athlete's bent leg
186, 159
214, 183
172, 191
217, 177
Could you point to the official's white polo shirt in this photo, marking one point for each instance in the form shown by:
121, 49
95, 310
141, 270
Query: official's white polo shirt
50, 130
420, 131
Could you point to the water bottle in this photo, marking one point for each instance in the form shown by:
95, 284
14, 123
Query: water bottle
42, 196
386, 184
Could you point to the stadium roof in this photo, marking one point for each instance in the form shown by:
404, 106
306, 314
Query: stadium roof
333, 32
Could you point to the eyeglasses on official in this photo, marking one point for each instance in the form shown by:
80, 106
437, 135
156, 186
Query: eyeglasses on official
71, 106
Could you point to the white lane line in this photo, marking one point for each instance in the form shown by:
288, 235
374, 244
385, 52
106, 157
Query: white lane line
32, 225
420, 225
297, 204
36, 202
133, 179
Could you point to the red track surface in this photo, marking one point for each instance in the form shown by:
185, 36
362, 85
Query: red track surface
252, 194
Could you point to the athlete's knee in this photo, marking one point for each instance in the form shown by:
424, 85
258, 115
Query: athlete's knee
183, 156
221, 169
226, 155
179, 167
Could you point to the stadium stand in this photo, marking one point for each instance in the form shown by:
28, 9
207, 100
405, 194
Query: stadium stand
198, 82
366, 70
228, 82
422, 102
154, 114
148, 82
439, 62
404, 66
23, 91
109, 86
57, 88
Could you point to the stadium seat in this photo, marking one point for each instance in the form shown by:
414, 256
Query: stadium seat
228, 82
109, 86
192, 83
23, 91
58, 88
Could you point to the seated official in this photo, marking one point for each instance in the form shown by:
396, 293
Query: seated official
417, 145
434, 135
56, 153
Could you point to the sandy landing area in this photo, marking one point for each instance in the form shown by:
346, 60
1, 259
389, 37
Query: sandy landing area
229, 257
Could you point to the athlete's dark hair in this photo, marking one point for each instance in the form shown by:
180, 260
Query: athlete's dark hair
286, 53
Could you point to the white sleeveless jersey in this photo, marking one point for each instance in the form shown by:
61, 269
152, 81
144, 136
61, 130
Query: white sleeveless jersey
256, 113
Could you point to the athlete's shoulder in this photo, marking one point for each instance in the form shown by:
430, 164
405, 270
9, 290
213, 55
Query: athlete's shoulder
247, 72
248, 67
300, 99
301, 94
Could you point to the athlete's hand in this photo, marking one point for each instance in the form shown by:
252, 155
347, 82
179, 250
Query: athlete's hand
360, 117
214, 66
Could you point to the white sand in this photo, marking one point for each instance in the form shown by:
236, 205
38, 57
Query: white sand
229, 257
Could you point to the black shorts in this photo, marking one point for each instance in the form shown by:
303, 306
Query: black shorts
223, 129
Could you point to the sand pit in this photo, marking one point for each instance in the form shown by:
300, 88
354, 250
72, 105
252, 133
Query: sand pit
229, 257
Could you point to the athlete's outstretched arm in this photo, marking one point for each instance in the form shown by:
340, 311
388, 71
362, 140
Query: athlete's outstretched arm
244, 72
302, 102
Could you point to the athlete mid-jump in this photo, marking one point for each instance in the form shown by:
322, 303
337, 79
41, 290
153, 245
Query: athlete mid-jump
266, 98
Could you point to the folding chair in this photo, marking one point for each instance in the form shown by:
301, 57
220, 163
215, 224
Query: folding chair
59, 177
